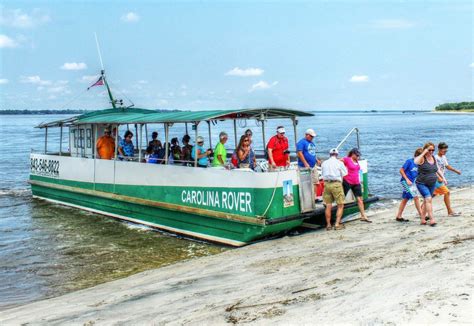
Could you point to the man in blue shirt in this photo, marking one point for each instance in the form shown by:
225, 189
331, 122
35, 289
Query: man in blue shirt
306, 151
202, 154
409, 172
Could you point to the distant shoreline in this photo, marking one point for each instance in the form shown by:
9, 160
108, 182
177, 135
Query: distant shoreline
452, 112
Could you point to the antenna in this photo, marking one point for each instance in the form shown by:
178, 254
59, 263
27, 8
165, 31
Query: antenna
98, 50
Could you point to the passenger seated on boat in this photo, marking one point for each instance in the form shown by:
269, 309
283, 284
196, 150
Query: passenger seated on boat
106, 146
202, 154
162, 153
154, 142
220, 153
126, 148
150, 156
245, 154
186, 150
175, 150
277, 147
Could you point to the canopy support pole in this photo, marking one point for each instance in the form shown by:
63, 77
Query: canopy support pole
195, 146
235, 133
60, 140
186, 125
140, 143
166, 143
146, 134
295, 122
210, 137
136, 135
94, 147
116, 150
46, 140
263, 136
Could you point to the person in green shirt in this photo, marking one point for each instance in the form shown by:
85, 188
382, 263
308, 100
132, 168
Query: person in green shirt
220, 153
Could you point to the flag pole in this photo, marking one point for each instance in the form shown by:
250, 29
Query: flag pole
102, 73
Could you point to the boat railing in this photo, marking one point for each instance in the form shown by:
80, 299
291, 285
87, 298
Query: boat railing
343, 141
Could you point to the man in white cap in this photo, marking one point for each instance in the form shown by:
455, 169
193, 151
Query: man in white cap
306, 151
333, 171
202, 154
278, 153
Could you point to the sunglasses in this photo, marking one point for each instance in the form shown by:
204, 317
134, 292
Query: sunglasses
200, 142
431, 150
246, 140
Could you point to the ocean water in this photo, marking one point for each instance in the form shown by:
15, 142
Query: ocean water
47, 249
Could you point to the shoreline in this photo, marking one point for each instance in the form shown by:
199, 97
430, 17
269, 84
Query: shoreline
451, 112
423, 274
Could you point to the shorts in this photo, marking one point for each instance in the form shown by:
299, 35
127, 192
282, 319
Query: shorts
333, 191
356, 189
315, 175
409, 192
425, 190
440, 189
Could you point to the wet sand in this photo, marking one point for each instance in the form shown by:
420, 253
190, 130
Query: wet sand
380, 273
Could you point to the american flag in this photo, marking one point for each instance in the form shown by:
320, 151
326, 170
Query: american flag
99, 82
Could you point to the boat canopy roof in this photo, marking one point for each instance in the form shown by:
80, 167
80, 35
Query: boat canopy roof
141, 116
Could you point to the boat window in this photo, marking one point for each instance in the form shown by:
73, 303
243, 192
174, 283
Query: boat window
89, 137
81, 138
73, 132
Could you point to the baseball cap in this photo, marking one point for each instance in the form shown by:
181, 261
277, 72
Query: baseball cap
280, 130
199, 139
310, 132
333, 151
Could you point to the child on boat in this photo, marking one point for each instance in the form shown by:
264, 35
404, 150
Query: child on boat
409, 172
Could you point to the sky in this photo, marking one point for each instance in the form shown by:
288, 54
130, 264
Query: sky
197, 55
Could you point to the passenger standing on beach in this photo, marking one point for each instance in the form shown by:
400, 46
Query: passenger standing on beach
220, 153
306, 151
333, 171
352, 180
409, 172
441, 187
201, 153
277, 147
425, 182
106, 146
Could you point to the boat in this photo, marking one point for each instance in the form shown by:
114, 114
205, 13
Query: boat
228, 206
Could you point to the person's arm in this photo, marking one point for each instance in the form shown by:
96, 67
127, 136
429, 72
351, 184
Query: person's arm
120, 150
97, 148
301, 157
450, 168
242, 154
420, 159
270, 157
205, 154
343, 170
402, 172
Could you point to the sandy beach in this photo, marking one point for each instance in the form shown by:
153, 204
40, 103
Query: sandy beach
380, 273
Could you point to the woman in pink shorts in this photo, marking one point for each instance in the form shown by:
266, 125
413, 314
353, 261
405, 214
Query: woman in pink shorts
352, 181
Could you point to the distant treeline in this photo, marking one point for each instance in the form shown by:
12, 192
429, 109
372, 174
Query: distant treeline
5, 112
461, 106
12, 112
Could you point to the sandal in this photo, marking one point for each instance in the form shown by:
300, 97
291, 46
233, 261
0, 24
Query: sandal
433, 224
423, 223
328, 228
455, 214
401, 219
339, 227
366, 220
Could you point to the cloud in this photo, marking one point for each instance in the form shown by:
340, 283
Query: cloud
3, 81
359, 79
248, 72
74, 66
18, 19
392, 24
471, 65
143, 82
57, 89
6, 42
36, 80
261, 85
130, 17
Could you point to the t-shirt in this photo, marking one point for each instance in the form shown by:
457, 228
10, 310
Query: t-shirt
411, 170
278, 146
219, 150
442, 162
353, 169
201, 161
308, 148
127, 148
106, 147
